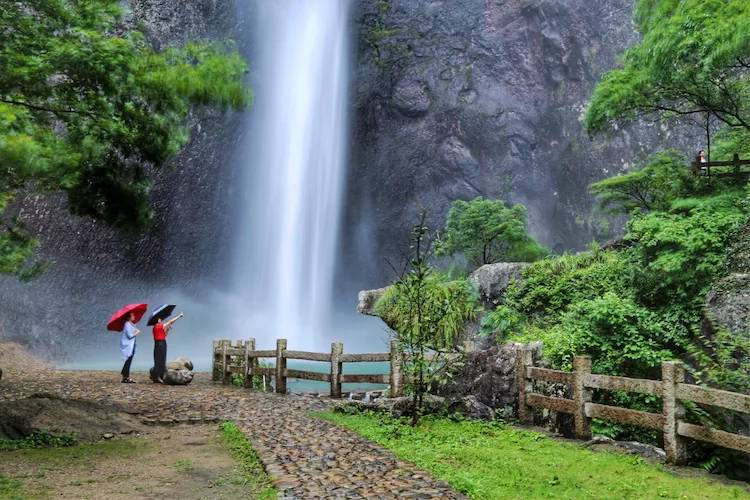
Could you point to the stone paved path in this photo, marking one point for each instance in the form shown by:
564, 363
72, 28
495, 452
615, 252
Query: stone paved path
307, 457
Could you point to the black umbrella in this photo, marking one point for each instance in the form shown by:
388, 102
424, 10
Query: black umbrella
161, 313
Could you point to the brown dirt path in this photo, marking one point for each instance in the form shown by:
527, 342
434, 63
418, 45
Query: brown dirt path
307, 458
186, 461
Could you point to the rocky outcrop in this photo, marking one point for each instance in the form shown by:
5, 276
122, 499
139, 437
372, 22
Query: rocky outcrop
50, 414
367, 299
461, 98
490, 375
492, 280
727, 305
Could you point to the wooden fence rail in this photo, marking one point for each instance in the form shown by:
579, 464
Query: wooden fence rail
242, 357
671, 388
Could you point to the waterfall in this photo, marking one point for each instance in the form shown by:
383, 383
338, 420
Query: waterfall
293, 163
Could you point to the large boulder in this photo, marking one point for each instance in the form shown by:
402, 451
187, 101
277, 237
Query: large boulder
490, 375
492, 280
471, 407
179, 372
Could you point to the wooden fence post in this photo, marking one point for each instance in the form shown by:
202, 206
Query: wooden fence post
673, 373
249, 346
280, 366
337, 349
396, 370
224, 361
524, 358
581, 396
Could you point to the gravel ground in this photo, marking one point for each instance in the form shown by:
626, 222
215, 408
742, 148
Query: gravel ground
307, 457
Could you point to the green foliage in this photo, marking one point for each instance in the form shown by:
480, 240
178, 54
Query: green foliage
252, 468
721, 360
549, 286
693, 57
663, 179
87, 107
489, 460
39, 440
447, 305
679, 253
488, 231
427, 314
622, 337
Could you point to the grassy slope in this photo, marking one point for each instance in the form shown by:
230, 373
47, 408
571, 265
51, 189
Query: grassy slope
252, 469
485, 460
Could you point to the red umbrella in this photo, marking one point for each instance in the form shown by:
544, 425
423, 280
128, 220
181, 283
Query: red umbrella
117, 321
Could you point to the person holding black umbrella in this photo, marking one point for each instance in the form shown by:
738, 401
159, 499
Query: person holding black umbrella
160, 331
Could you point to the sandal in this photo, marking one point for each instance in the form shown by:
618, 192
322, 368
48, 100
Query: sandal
128, 381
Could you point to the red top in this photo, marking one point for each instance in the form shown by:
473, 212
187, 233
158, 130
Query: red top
159, 332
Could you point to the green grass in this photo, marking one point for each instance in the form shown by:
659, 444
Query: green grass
183, 465
80, 454
11, 489
38, 440
492, 460
253, 472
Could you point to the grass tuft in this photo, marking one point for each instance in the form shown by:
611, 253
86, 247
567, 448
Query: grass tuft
39, 440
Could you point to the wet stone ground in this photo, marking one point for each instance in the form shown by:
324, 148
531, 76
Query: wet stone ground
307, 457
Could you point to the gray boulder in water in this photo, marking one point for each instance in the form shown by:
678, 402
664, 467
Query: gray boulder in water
179, 372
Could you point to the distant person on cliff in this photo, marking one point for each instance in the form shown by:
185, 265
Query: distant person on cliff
127, 347
160, 331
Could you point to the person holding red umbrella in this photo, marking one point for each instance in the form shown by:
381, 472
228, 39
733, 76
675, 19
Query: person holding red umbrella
124, 321
127, 347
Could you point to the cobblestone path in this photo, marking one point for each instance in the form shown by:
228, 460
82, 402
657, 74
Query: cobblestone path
307, 457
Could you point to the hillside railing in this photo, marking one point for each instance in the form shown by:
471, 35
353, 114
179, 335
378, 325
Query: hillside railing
242, 357
671, 388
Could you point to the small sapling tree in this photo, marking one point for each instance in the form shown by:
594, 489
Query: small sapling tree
427, 314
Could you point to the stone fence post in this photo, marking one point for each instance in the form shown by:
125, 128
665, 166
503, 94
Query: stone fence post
581, 396
225, 361
673, 373
337, 349
249, 363
280, 366
396, 375
524, 358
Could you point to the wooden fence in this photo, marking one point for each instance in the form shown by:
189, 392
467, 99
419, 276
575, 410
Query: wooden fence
242, 357
671, 388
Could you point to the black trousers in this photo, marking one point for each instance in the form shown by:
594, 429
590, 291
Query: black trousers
160, 358
126, 367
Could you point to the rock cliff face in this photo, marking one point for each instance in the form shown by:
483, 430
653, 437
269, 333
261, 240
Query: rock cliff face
93, 268
727, 305
460, 98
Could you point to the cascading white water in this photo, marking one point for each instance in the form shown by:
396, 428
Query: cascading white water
294, 164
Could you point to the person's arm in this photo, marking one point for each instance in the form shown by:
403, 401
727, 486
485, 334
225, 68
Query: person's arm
169, 323
131, 331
